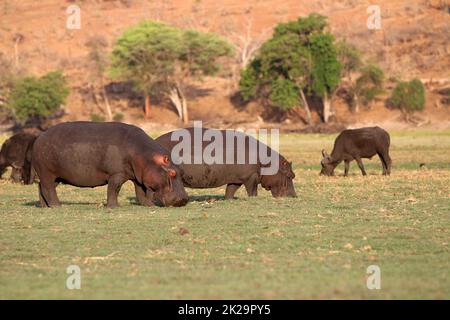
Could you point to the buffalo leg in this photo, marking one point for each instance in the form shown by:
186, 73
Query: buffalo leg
231, 190
386, 162
47, 194
361, 166
115, 182
383, 164
141, 195
252, 186
347, 167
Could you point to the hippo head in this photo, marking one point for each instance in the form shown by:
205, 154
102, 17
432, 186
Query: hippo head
327, 164
280, 184
163, 181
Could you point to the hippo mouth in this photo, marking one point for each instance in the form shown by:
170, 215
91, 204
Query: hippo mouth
163, 203
164, 200
282, 192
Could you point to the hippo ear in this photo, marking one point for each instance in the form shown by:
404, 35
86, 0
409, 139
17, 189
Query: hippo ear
325, 154
161, 159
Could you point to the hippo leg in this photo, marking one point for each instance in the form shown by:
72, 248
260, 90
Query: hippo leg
32, 176
27, 173
251, 185
115, 182
2, 169
47, 194
347, 167
42, 201
231, 190
141, 195
361, 166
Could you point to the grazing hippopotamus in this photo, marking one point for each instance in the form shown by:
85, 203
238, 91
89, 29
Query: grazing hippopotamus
16, 152
89, 154
356, 144
207, 174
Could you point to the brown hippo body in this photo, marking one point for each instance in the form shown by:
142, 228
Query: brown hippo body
88, 154
235, 174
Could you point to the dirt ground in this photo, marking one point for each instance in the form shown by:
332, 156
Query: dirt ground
413, 42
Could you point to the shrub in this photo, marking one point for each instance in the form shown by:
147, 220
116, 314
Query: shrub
409, 96
118, 117
38, 97
370, 83
97, 117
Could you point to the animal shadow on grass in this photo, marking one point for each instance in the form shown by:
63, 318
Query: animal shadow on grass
133, 201
207, 198
202, 198
63, 203
353, 175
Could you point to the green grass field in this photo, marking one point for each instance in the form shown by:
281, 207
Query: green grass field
318, 245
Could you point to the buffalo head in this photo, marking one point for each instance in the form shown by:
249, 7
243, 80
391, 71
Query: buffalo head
327, 165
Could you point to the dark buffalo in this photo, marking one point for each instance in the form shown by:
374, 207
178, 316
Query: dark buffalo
355, 145
88, 154
212, 175
16, 153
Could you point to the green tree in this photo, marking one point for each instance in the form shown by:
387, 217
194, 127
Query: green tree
199, 56
284, 93
409, 96
161, 58
38, 97
326, 70
144, 54
300, 57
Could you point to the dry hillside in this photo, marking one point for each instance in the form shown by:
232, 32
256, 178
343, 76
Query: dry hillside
413, 42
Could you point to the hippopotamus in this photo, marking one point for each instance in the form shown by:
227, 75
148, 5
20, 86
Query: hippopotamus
355, 144
16, 152
89, 154
233, 174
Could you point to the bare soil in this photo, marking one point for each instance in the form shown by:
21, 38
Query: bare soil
413, 42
